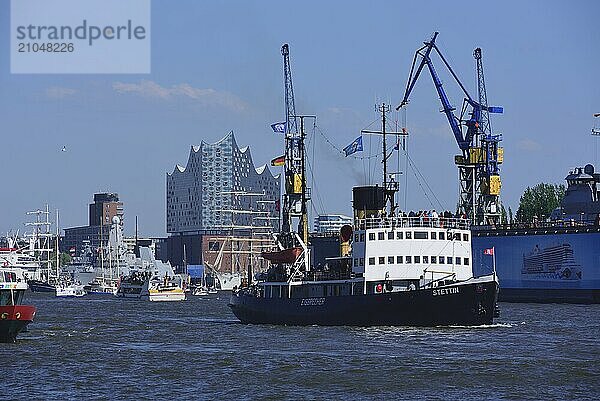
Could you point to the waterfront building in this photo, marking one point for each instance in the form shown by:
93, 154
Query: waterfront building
217, 196
105, 207
219, 188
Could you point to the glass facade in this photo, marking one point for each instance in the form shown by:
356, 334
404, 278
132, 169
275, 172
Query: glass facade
220, 188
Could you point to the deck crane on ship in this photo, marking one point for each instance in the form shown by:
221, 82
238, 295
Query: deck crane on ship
478, 163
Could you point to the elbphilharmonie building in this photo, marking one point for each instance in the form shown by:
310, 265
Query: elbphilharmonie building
220, 189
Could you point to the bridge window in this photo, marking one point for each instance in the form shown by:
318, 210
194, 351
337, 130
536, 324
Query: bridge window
457, 260
362, 261
355, 262
409, 259
421, 235
408, 235
399, 259
442, 260
371, 236
371, 261
433, 260
356, 237
382, 260
390, 260
433, 235
362, 237
466, 262
417, 259
391, 235
442, 235
425, 259
381, 236
399, 235
465, 237
448, 260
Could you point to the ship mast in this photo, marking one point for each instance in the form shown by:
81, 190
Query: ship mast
389, 187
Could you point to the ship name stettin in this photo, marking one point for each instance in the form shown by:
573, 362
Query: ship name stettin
312, 301
445, 291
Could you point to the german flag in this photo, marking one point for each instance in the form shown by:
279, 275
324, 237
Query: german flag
278, 161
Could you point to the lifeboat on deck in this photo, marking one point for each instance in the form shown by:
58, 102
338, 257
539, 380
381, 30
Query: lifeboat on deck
285, 256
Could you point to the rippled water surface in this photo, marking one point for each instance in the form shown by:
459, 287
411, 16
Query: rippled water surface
109, 348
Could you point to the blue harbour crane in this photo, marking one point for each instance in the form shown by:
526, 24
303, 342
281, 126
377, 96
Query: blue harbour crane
478, 163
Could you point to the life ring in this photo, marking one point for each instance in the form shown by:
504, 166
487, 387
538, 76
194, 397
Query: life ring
18, 315
4, 316
379, 288
5, 263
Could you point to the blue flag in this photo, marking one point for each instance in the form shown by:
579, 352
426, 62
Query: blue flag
355, 146
279, 127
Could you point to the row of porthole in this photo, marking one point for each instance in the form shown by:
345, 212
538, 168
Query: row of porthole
417, 259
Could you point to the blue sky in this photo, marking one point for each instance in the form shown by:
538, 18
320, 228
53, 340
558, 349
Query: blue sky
216, 67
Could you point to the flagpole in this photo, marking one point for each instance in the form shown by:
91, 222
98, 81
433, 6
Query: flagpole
494, 257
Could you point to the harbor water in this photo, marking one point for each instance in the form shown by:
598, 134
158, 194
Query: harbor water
110, 348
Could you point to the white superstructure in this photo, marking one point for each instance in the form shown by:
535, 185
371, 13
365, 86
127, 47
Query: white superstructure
405, 251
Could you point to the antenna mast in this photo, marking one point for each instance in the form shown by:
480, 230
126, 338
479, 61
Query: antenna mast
390, 187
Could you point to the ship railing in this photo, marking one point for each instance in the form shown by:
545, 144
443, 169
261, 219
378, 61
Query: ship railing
538, 225
430, 283
411, 222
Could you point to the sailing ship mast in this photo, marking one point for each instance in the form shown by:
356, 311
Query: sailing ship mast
40, 238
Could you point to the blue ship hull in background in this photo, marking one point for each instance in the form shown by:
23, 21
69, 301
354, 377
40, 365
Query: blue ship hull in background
541, 265
551, 261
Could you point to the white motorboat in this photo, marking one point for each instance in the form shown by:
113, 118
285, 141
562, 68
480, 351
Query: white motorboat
200, 291
167, 288
73, 290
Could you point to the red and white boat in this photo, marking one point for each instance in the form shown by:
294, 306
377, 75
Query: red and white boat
14, 316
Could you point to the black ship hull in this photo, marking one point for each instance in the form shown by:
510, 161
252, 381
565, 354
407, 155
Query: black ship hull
9, 329
467, 304
40, 286
13, 320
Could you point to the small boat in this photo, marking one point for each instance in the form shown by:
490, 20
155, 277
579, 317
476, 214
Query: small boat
200, 291
164, 289
14, 317
100, 287
72, 290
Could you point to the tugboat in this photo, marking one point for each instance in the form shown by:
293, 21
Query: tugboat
400, 271
393, 269
14, 316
